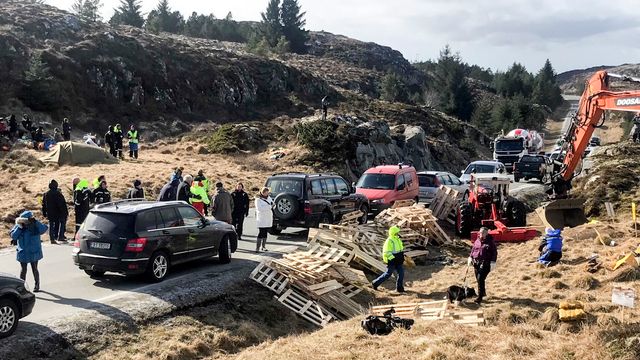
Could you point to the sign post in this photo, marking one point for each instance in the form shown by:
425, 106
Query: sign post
623, 296
633, 215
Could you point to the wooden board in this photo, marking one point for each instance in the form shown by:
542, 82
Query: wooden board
341, 305
269, 277
307, 309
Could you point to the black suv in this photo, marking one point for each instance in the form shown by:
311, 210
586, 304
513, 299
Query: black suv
303, 200
16, 302
135, 236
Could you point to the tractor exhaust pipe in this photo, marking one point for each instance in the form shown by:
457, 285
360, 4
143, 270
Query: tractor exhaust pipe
562, 213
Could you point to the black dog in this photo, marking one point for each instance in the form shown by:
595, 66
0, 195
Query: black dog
459, 293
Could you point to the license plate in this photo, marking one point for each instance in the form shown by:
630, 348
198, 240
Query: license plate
100, 245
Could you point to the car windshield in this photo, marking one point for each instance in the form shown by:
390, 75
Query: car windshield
377, 181
479, 169
120, 225
532, 159
510, 145
285, 186
427, 180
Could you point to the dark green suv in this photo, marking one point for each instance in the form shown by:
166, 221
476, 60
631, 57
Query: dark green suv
305, 200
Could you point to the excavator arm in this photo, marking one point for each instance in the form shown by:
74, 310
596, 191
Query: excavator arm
595, 100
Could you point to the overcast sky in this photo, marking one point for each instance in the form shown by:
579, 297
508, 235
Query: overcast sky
491, 33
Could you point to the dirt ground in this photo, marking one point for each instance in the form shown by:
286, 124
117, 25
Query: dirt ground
24, 179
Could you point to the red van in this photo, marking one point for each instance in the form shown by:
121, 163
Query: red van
386, 184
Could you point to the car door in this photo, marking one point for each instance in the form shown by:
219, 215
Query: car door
199, 239
457, 184
348, 201
401, 188
149, 225
331, 194
176, 233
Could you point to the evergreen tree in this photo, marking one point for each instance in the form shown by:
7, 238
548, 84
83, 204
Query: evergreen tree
546, 91
271, 25
163, 19
392, 88
293, 23
455, 95
128, 13
517, 80
89, 9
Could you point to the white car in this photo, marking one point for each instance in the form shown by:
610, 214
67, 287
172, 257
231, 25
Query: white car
430, 182
482, 167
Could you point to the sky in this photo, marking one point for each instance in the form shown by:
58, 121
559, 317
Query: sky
490, 33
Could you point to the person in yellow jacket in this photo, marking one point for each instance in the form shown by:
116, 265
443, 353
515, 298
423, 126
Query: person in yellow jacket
134, 139
393, 256
200, 196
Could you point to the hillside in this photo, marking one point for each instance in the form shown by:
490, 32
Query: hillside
572, 82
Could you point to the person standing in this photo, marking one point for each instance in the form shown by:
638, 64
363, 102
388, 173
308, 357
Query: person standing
264, 218
66, 129
183, 193
117, 138
57, 136
393, 256
240, 208
96, 182
81, 200
134, 138
483, 258
222, 204
325, 108
101, 194
199, 197
54, 208
26, 235
27, 124
169, 191
205, 182
108, 140
13, 127
137, 192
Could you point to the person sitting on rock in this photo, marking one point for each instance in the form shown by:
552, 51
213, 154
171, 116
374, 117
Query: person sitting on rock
551, 247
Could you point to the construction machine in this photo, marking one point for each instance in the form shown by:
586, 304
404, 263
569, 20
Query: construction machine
597, 97
489, 204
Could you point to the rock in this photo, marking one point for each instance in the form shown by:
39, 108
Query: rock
202, 150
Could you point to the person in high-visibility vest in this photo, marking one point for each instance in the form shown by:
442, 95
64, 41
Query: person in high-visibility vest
133, 137
393, 256
200, 197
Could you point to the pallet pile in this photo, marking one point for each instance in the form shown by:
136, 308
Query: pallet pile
432, 310
351, 219
445, 204
417, 223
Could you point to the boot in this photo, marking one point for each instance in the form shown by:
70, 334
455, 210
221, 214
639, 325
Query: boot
258, 241
264, 242
36, 288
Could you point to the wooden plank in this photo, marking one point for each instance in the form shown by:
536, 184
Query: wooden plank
307, 309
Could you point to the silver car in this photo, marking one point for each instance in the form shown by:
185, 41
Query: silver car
482, 167
430, 182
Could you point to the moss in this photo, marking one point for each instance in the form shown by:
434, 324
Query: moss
223, 141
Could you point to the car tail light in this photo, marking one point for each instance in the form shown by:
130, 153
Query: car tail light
76, 243
136, 245
307, 209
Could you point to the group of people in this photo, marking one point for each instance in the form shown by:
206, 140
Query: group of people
483, 257
114, 139
12, 130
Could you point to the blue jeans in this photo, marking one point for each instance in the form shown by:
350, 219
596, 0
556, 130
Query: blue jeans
57, 229
391, 267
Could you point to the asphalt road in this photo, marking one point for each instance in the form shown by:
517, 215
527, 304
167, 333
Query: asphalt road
66, 289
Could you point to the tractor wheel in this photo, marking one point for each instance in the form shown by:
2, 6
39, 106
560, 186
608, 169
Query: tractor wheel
517, 214
464, 219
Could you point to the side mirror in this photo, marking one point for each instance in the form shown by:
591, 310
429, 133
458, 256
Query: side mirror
491, 145
401, 187
353, 186
203, 223
344, 193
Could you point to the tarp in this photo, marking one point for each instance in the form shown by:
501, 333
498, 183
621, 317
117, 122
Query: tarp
72, 153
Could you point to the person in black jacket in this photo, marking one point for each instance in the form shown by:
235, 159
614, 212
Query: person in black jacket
117, 138
137, 192
240, 208
169, 191
184, 189
13, 127
54, 208
101, 194
66, 129
82, 199
108, 139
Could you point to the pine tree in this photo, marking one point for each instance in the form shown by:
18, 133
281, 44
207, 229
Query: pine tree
392, 88
89, 9
546, 91
163, 19
455, 95
293, 23
271, 25
517, 80
128, 13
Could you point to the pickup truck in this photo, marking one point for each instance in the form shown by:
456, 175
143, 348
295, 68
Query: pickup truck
531, 167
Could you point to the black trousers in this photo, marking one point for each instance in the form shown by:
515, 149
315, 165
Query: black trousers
34, 270
482, 270
238, 222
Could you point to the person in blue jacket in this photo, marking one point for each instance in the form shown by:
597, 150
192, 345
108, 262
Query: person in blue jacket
551, 247
26, 235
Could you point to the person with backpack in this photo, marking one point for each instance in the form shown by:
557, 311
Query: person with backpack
54, 208
393, 256
26, 235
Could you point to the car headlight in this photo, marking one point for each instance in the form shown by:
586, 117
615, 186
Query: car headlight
378, 201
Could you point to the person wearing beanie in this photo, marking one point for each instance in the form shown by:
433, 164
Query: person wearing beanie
137, 192
54, 208
26, 235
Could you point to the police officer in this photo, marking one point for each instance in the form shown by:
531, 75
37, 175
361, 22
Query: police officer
133, 137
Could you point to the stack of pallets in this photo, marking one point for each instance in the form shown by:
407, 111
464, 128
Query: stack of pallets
416, 222
445, 204
432, 310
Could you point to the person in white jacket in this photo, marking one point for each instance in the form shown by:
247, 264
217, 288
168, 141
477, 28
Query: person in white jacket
264, 218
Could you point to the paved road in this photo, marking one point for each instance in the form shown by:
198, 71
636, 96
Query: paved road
66, 289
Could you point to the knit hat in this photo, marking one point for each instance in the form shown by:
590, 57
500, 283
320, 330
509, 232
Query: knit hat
137, 183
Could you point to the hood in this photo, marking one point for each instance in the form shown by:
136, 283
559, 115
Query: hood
553, 232
53, 185
374, 194
26, 215
137, 183
174, 182
83, 184
394, 231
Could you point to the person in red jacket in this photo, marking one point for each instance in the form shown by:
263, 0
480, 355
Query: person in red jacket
483, 258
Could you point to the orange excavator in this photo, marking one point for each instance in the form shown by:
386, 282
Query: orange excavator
597, 97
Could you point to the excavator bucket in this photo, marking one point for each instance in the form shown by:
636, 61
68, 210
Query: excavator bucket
559, 214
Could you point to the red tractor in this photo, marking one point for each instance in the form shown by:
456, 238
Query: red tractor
489, 204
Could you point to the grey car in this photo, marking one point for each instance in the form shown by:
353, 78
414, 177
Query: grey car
430, 182
482, 167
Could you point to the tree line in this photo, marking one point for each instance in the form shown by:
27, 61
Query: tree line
281, 29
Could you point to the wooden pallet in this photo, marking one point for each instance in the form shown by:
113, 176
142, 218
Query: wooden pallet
330, 254
269, 277
445, 200
308, 309
468, 318
431, 310
402, 203
341, 305
351, 218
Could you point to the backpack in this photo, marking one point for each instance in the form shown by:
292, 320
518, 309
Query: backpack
384, 325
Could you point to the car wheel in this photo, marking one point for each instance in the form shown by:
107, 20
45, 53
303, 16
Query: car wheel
94, 273
326, 218
286, 206
158, 267
224, 252
365, 210
8, 317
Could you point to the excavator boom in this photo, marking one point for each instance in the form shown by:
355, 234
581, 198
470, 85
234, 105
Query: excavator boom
596, 98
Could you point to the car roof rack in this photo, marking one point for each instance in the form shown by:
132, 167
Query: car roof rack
118, 202
290, 173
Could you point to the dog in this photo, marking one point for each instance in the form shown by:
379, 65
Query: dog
458, 294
